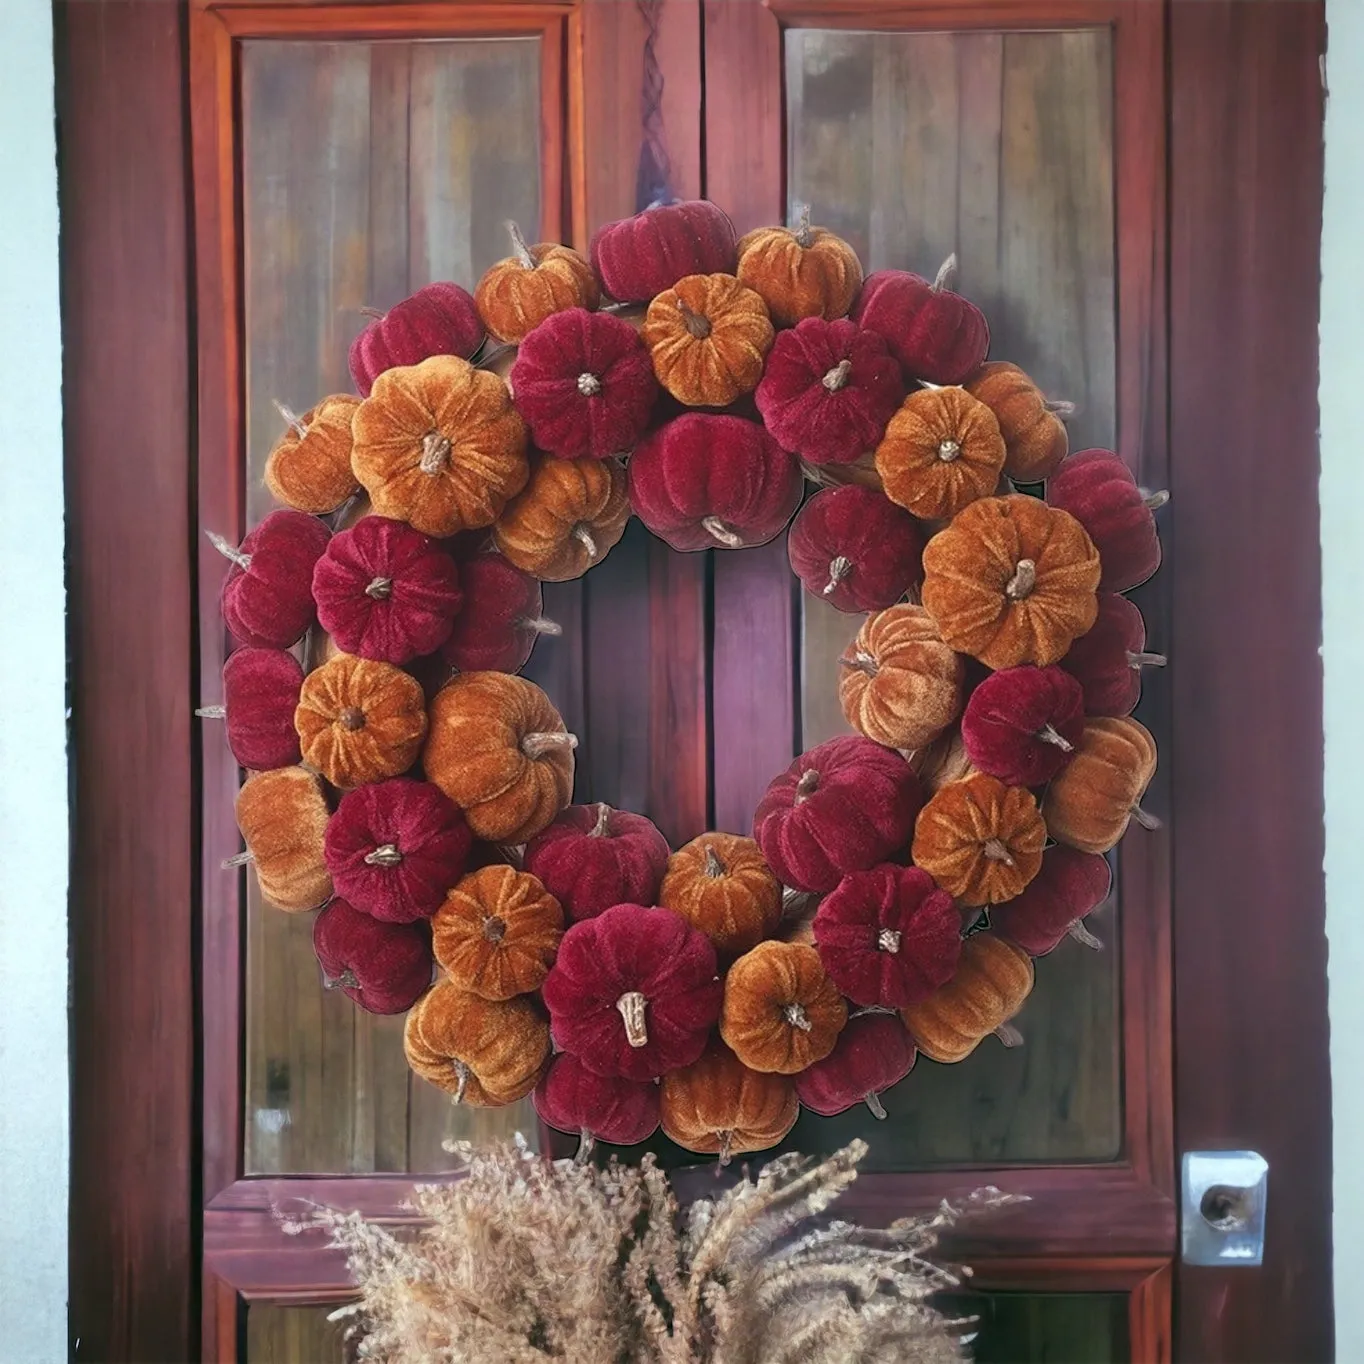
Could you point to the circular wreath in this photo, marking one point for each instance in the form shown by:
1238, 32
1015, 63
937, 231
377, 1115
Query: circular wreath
897, 882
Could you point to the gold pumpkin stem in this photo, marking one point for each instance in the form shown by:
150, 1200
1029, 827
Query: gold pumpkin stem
1154, 501
726, 1151
995, 850
212, 712
839, 568
381, 589
519, 248
631, 1008
374, 314
345, 981
1009, 1035
1146, 819
435, 452
806, 786
462, 1073
588, 384
1081, 934
862, 662
539, 742
1023, 580
583, 536
802, 231
697, 325
385, 855
291, 418
540, 625
796, 1016
945, 273
873, 1101
1049, 734
599, 829
494, 928
838, 376
228, 550
1144, 660
586, 1141
714, 867
238, 860
717, 529
1063, 409
888, 940
949, 450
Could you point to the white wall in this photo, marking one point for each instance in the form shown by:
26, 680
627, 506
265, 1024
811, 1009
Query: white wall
34, 1116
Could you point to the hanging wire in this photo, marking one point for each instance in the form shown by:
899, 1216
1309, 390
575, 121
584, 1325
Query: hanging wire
653, 179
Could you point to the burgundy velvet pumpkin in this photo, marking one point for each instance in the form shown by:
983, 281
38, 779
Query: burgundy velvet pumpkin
1070, 885
934, 333
1098, 489
384, 968
570, 1098
500, 619
593, 857
438, 320
267, 595
386, 591
873, 1053
260, 695
713, 482
639, 257
1107, 661
856, 549
585, 385
633, 992
1022, 724
843, 806
888, 936
395, 847
828, 390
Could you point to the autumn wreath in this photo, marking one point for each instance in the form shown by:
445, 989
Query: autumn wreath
414, 791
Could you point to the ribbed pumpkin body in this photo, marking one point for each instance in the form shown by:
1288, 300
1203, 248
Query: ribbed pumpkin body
1022, 725
267, 596
872, 1054
718, 1105
638, 258
781, 1011
722, 885
801, 272
1107, 660
519, 292
1091, 803
383, 967
308, 467
500, 619
282, 816
1070, 885
440, 319
934, 333
1098, 489
260, 695
1035, 440
570, 1098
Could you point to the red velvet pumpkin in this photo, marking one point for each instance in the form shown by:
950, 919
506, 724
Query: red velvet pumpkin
1098, 489
1022, 724
267, 597
873, 1053
1108, 659
843, 806
386, 591
384, 967
440, 319
888, 936
713, 482
500, 619
585, 385
633, 992
570, 1098
1070, 885
934, 333
260, 694
639, 257
828, 390
593, 857
395, 847
856, 549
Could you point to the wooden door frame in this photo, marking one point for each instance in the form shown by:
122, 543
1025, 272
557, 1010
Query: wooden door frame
1251, 1066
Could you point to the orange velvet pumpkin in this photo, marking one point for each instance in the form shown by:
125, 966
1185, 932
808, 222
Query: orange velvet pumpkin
308, 468
500, 751
942, 450
898, 683
717, 1105
1012, 581
1091, 801
518, 293
1035, 439
980, 840
800, 272
440, 446
497, 932
993, 980
487, 1053
566, 519
283, 818
708, 336
942, 761
781, 1011
721, 884
360, 720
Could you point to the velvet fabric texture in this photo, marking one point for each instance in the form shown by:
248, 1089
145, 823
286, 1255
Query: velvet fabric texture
440, 446
267, 596
721, 884
898, 683
519, 292
260, 694
633, 992
934, 333
383, 967
873, 1054
1090, 804
844, 806
395, 847
569, 516
440, 319
1108, 659
980, 840
500, 751
360, 721
1070, 885
386, 591
1012, 581
500, 619
781, 1011
1098, 489
718, 1106
800, 272
888, 936
592, 857
486, 1053
1035, 439
1022, 725
713, 482
308, 467
638, 258
570, 1098
497, 932
283, 819
584, 382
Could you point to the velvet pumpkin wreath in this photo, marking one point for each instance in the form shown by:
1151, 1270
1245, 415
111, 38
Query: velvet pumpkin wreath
896, 883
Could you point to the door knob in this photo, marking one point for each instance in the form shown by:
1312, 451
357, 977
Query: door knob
1223, 1216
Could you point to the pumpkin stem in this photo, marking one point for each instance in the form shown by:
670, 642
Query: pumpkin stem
1146, 660
376, 314
381, 589
586, 1141
807, 785
345, 981
725, 1152
995, 850
351, 718
1049, 734
873, 1101
863, 662
212, 712
588, 384
631, 1007
238, 860
583, 536
435, 452
839, 568
945, 273
714, 867
291, 418
228, 550
1146, 819
1023, 580
599, 829
513, 854
695, 323
796, 1016
1063, 409
802, 232
540, 625
1153, 501
462, 1073
385, 855
838, 376
1009, 1035
494, 928
519, 248
949, 450
721, 532
539, 742
1081, 934
888, 940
